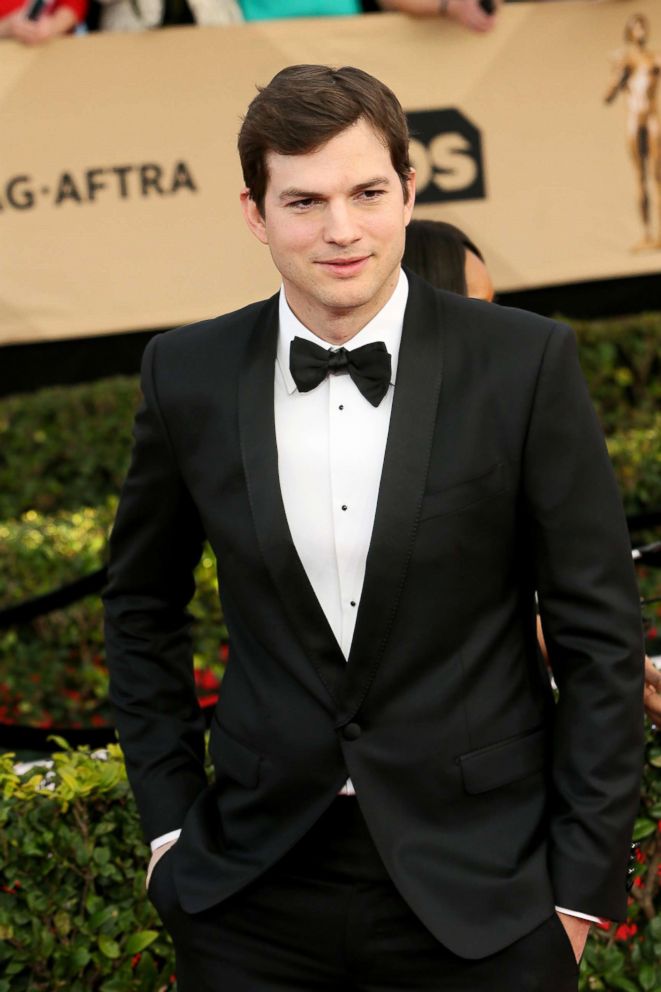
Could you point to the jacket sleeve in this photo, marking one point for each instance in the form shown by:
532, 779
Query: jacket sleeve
589, 606
155, 545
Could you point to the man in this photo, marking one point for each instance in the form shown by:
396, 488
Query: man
387, 474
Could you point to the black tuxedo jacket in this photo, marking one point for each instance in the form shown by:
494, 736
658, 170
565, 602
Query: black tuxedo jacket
487, 802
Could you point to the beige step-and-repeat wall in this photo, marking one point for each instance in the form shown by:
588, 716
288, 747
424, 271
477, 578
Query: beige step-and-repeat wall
119, 177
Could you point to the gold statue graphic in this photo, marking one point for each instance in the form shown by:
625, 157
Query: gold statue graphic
636, 72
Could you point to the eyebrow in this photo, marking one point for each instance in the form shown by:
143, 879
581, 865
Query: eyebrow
292, 193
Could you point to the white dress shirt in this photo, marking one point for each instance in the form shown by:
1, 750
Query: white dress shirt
331, 444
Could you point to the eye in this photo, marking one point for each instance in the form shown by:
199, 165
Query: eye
371, 195
302, 204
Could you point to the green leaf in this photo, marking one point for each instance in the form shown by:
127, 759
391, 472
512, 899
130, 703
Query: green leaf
108, 946
647, 976
62, 922
80, 958
618, 982
102, 916
643, 828
138, 941
101, 855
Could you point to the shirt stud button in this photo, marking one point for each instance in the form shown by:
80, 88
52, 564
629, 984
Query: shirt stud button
353, 602
344, 506
341, 406
352, 732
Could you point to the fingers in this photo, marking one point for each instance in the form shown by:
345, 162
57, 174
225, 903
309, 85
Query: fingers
652, 691
155, 858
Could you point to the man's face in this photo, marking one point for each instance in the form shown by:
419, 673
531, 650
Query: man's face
334, 220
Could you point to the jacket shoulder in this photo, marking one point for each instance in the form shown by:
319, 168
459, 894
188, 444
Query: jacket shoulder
228, 331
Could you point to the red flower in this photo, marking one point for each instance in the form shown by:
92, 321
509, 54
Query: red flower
97, 720
224, 651
135, 960
638, 882
208, 700
625, 930
641, 857
205, 679
46, 722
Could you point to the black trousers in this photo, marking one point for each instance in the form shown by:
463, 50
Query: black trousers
327, 918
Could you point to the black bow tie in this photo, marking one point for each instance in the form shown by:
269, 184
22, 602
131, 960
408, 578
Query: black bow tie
368, 366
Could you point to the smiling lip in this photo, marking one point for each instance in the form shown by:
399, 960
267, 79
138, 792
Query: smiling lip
345, 266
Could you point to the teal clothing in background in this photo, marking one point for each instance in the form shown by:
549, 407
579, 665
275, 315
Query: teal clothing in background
268, 10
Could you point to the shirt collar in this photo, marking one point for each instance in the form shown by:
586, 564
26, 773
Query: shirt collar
385, 326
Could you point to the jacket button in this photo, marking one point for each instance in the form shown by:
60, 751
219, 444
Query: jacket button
352, 732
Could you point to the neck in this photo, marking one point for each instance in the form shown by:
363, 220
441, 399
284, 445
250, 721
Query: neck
336, 325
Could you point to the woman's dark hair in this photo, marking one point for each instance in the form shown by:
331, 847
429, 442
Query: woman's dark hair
304, 106
437, 252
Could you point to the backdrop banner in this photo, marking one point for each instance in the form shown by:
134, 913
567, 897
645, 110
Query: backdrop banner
119, 176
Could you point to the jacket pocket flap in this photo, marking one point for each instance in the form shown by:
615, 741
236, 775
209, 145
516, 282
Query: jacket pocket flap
232, 758
463, 494
502, 763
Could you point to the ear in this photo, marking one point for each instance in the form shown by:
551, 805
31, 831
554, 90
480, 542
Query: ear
408, 206
253, 218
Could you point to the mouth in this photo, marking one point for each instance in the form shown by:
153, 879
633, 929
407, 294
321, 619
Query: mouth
344, 267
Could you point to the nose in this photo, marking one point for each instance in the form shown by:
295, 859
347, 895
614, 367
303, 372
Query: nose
340, 226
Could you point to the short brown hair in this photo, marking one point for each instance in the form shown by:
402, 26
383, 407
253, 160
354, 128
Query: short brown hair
304, 106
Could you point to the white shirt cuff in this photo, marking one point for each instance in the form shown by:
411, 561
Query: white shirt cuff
163, 839
572, 912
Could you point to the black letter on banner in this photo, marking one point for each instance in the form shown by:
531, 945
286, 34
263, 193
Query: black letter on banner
182, 177
121, 171
93, 186
150, 178
446, 151
66, 190
21, 199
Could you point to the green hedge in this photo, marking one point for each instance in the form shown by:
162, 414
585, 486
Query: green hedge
65, 448
621, 360
54, 670
74, 915
73, 911
636, 458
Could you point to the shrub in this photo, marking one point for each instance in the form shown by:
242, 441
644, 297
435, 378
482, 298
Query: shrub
55, 672
64, 448
627, 956
73, 911
636, 458
621, 360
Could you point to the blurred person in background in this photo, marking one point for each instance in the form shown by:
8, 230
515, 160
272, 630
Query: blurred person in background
34, 23
476, 15
269, 10
138, 15
448, 259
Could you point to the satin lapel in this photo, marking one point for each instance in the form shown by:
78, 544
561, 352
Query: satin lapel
405, 468
260, 463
